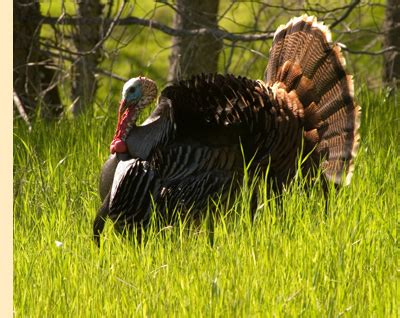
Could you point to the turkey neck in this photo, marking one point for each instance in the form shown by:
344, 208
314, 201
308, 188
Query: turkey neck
126, 122
142, 140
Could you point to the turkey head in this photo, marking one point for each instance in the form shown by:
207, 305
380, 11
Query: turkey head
137, 93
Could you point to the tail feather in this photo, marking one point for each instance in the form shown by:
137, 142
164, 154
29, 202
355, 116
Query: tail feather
303, 59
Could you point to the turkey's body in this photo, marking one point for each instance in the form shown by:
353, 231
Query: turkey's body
203, 130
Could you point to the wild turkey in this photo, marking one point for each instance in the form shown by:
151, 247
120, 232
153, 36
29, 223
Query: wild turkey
194, 144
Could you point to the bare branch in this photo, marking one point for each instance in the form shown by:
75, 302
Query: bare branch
346, 13
108, 33
110, 74
319, 9
163, 28
388, 49
21, 109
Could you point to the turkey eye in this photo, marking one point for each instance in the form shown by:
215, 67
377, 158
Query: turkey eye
131, 90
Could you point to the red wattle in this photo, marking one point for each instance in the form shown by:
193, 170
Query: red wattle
118, 146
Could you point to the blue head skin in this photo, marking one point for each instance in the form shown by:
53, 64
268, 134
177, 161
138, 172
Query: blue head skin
138, 92
132, 92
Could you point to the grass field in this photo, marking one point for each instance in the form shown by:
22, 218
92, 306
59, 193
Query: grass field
295, 259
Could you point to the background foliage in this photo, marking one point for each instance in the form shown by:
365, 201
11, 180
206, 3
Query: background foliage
138, 50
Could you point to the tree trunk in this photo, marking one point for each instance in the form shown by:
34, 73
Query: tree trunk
391, 67
84, 83
33, 80
26, 79
194, 54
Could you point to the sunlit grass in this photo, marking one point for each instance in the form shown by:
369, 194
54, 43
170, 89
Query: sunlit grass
296, 257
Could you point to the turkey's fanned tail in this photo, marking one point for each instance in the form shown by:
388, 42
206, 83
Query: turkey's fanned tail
304, 61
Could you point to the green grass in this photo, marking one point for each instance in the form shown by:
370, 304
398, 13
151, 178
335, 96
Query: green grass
295, 259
